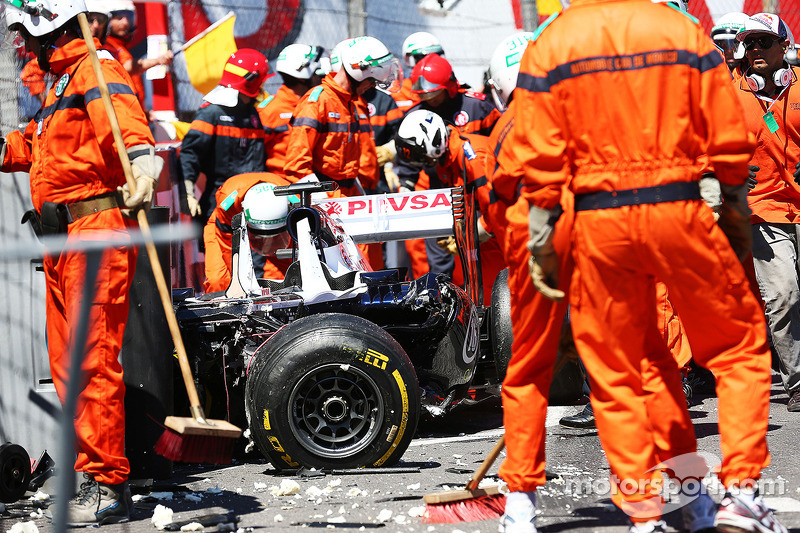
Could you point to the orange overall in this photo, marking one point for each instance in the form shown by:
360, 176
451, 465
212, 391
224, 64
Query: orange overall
640, 129
218, 232
70, 155
276, 113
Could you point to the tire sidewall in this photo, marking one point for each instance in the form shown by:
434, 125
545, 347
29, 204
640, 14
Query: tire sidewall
356, 346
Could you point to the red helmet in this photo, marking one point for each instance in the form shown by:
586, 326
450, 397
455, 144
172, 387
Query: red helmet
433, 73
245, 71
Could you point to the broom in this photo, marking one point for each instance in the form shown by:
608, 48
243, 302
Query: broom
190, 440
471, 503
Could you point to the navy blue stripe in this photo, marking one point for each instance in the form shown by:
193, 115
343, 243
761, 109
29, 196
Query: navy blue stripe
476, 184
492, 197
279, 129
73, 101
592, 65
113, 88
330, 127
224, 228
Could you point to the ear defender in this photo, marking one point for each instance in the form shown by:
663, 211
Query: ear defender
781, 77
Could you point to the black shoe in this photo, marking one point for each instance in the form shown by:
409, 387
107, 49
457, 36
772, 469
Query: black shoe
794, 402
688, 391
583, 420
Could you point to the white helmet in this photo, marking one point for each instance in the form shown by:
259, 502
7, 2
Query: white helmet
728, 25
98, 6
119, 5
47, 16
300, 61
368, 58
336, 54
418, 45
264, 212
504, 67
421, 138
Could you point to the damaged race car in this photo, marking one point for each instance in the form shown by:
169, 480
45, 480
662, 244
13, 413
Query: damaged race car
331, 366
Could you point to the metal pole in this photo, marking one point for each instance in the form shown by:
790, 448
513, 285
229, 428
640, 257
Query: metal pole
66, 452
356, 18
530, 15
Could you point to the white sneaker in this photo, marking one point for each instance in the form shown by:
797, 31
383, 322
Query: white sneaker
699, 513
651, 526
520, 513
742, 510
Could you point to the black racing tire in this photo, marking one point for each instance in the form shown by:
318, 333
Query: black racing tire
332, 391
500, 324
15, 472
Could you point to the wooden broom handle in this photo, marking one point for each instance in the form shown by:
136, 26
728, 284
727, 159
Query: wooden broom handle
141, 217
487, 463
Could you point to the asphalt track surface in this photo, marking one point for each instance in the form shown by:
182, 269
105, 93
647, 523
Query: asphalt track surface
445, 452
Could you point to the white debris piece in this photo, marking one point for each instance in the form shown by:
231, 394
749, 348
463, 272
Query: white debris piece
192, 497
400, 519
457, 456
193, 526
286, 488
24, 527
355, 491
314, 492
414, 486
345, 367
337, 520
342, 510
136, 497
162, 516
40, 497
162, 495
385, 515
416, 512
277, 518
36, 514
238, 490
261, 487
335, 482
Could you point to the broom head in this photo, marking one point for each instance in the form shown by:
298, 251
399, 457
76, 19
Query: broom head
454, 506
190, 441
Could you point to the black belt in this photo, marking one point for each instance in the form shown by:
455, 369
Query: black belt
670, 192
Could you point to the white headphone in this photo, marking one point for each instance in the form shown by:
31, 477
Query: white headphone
781, 77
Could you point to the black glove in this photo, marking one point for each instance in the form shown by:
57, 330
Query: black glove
797, 173
751, 177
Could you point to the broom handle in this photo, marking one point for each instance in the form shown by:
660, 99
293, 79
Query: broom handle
141, 217
487, 463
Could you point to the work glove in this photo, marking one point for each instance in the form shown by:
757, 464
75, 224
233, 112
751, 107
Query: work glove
448, 244
751, 176
386, 153
543, 264
796, 172
734, 219
391, 177
146, 169
192, 205
711, 193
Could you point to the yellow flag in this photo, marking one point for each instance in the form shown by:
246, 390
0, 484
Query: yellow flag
207, 53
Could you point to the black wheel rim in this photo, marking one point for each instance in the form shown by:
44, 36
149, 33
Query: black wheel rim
335, 410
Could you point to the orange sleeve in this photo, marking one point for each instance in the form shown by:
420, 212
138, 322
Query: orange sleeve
18, 150
368, 162
132, 121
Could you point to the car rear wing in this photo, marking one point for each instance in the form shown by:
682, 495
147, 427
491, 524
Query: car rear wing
396, 216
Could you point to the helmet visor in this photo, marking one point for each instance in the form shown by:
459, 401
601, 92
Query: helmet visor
269, 245
393, 79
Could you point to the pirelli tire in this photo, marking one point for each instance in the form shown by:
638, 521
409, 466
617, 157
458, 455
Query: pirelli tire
332, 391
500, 324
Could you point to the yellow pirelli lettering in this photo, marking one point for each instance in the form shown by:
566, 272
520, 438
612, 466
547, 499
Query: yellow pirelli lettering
401, 385
376, 359
266, 420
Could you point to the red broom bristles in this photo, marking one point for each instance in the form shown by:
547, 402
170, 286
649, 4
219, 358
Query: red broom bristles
471, 510
195, 448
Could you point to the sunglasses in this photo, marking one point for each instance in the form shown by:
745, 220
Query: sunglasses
764, 42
